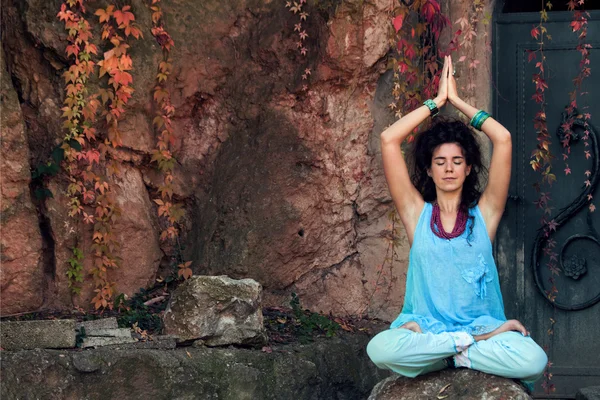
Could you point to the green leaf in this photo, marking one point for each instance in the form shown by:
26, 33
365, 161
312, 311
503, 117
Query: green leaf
58, 154
75, 144
43, 193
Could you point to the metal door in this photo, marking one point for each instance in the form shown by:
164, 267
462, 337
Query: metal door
574, 345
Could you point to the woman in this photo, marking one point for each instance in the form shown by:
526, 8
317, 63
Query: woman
453, 315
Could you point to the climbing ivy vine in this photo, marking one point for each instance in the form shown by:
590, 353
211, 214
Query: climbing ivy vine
170, 211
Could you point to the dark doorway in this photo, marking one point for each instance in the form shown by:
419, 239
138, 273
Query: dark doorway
519, 6
573, 348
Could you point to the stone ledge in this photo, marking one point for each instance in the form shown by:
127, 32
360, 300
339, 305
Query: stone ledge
47, 334
326, 369
588, 393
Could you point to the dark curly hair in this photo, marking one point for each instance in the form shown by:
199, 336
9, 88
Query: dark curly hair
446, 130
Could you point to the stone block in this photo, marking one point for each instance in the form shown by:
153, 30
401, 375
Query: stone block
217, 309
99, 341
46, 334
119, 332
104, 323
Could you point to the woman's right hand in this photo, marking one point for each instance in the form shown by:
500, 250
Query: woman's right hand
412, 326
442, 95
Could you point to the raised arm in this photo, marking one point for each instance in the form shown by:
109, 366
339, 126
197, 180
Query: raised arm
494, 197
407, 199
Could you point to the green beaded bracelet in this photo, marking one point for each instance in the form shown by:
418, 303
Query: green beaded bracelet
478, 119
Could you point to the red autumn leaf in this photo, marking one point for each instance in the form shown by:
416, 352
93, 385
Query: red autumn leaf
409, 51
398, 22
124, 17
64, 14
134, 31
125, 62
185, 273
429, 10
88, 218
123, 78
535, 32
156, 16
538, 97
104, 15
72, 49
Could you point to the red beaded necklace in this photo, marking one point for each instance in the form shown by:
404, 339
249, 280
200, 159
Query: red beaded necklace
438, 229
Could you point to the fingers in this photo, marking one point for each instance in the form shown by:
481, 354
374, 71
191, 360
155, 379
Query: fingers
521, 328
446, 67
412, 326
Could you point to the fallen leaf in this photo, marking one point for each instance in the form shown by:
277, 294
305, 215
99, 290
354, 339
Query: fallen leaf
439, 395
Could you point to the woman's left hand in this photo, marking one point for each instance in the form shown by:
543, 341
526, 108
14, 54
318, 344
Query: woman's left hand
452, 92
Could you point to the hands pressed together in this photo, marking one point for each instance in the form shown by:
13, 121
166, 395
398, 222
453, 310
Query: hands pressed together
447, 88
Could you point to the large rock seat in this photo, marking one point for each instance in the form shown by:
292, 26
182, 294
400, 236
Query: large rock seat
465, 384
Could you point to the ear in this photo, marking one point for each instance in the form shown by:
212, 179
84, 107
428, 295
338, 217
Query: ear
468, 170
429, 172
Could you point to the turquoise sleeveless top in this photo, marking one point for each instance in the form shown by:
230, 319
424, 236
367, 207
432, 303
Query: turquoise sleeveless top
452, 284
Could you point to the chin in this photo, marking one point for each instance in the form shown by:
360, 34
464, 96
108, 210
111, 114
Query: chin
450, 186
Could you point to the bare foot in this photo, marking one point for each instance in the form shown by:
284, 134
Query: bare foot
510, 325
412, 326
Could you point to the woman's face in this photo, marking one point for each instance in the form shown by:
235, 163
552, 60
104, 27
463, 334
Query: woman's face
448, 168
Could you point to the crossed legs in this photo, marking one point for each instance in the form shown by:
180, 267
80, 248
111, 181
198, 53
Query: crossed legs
508, 354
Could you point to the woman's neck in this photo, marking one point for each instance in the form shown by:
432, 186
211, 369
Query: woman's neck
449, 202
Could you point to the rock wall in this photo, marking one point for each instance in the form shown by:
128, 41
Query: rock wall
280, 184
336, 368
22, 273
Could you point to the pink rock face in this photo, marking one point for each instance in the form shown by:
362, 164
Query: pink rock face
137, 233
21, 277
280, 184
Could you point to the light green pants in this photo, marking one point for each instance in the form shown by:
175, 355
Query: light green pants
508, 354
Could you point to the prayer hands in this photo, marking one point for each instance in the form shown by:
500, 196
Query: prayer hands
447, 87
452, 92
